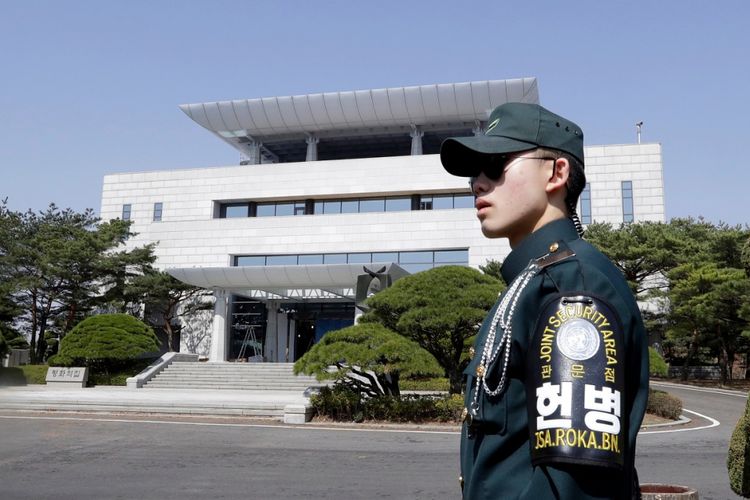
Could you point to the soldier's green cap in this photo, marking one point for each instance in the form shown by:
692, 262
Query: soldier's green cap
512, 128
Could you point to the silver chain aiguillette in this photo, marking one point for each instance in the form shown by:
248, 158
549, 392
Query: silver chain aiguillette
503, 318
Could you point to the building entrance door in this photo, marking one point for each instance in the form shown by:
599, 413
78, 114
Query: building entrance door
304, 337
247, 334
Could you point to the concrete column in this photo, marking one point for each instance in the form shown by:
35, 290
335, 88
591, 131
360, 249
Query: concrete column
272, 334
416, 140
253, 155
218, 351
477, 129
312, 148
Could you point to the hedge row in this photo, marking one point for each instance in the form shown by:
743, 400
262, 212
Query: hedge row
738, 465
343, 404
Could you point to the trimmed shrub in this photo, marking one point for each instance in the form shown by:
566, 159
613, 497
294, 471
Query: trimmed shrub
657, 366
107, 343
663, 404
425, 384
119, 377
368, 358
343, 404
338, 402
450, 409
738, 464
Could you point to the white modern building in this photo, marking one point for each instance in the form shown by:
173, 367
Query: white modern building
329, 183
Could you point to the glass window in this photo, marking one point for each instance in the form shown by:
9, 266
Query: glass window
385, 257
284, 209
372, 205
452, 256
157, 211
414, 257
332, 207
319, 207
311, 259
229, 210
349, 206
415, 268
334, 258
299, 208
425, 202
586, 204
463, 201
397, 204
266, 210
126, 211
281, 260
627, 201
359, 258
442, 202
250, 260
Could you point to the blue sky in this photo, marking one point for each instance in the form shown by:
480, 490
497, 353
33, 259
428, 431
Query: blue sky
90, 88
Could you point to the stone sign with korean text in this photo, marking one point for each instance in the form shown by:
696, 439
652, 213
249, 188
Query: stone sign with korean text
59, 376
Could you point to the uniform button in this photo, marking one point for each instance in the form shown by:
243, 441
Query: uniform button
472, 351
480, 370
553, 247
461, 481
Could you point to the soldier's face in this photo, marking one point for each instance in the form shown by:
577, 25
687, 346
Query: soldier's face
512, 206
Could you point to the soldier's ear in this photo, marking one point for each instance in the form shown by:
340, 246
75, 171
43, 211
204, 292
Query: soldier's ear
559, 173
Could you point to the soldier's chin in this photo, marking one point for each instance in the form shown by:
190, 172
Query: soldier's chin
492, 232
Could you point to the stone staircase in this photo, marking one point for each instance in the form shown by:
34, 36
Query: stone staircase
231, 376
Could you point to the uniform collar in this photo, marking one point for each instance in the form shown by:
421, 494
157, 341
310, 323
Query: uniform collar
536, 245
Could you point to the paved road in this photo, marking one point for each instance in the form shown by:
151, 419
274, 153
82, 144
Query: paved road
78, 459
694, 458
68, 459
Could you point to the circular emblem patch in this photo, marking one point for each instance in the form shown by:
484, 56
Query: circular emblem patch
578, 339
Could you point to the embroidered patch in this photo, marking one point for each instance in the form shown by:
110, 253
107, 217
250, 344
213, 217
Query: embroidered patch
578, 339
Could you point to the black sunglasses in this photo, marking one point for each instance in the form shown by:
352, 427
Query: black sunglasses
496, 165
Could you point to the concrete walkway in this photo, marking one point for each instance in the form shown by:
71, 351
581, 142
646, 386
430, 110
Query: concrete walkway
270, 404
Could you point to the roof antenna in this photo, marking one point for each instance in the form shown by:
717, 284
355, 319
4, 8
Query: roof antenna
638, 130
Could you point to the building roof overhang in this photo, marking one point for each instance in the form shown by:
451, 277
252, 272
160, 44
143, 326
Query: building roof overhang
358, 113
299, 282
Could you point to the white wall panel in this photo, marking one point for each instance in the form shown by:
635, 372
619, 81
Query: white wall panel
188, 235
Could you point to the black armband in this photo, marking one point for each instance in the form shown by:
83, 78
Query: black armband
575, 384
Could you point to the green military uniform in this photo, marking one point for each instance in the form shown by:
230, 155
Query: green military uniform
558, 382
495, 449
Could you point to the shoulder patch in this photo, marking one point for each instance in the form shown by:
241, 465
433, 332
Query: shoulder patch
575, 382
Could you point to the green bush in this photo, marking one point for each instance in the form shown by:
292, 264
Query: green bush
657, 366
450, 409
338, 402
663, 405
343, 404
368, 358
425, 384
113, 347
121, 376
738, 464
106, 343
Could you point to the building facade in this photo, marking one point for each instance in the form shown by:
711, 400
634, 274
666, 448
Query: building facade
330, 183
